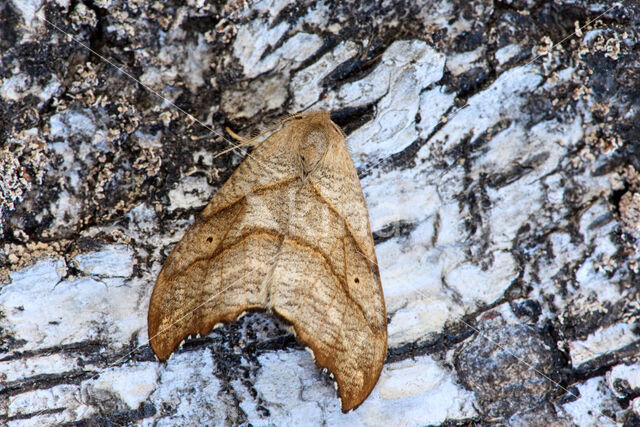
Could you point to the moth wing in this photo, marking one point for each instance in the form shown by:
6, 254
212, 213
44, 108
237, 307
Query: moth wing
210, 292
329, 288
339, 187
192, 292
301, 248
330, 321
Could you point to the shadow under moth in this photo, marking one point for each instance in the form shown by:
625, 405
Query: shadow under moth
288, 233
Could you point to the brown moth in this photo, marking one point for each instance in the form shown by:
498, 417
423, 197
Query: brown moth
288, 233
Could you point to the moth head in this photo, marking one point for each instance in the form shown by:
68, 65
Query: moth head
316, 139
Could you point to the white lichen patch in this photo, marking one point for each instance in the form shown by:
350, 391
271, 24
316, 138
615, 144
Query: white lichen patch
426, 393
292, 52
506, 53
196, 64
628, 375
32, 12
72, 123
540, 148
290, 384
188, 385
143, 218
191, 191
463, 62
65, 396
19, 86
108, 262
420, 319
434, 103
306, 84
45, 310
251, 42
415, 295
506, 94
131, 384
405, 69
259, 35
534, 152
481, 286
423, 380
264, 94
593, 404
602, 341
400, 196
427, 278
19, 369
66, 209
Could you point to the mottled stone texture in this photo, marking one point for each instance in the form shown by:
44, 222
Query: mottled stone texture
497, 146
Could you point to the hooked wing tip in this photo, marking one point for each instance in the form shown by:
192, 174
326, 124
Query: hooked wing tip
354, 385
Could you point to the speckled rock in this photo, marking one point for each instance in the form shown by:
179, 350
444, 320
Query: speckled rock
496, 142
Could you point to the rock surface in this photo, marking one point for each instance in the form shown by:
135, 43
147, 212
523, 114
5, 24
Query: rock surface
496, 142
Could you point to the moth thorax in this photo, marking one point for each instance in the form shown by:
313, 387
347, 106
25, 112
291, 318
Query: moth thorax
312, 149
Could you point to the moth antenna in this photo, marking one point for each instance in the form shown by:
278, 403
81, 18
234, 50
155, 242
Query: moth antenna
248, 141
337, 129
367, 49
289, 117
372, 60
276, 126
243, 142
235, 136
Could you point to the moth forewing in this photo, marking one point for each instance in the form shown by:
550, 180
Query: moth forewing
289, 233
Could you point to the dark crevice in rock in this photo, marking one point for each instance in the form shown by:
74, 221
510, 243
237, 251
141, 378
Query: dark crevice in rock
119, 418
329, 42
397, 229
292, 13
84, 348
438, 345
600, 365
356, 67
44, 381
350, 119
32, 414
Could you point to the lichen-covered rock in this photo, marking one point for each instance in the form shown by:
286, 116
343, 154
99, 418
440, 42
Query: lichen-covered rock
495, 142
508, 366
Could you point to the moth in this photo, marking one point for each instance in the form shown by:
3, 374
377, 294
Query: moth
289, 234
